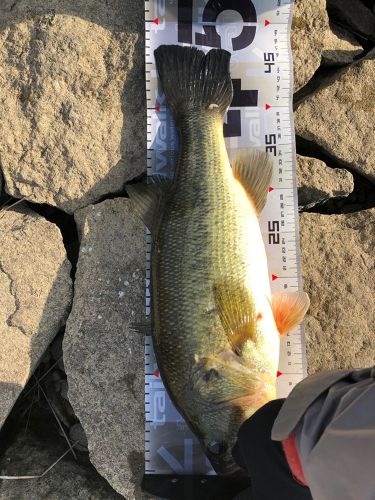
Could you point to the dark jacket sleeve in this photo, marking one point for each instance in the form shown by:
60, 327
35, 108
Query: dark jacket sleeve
332, 415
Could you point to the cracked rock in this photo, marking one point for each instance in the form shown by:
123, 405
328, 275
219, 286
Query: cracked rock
339, 275
339, 118
340, 47
72, 99
103, 358
312, 38
35, 297
317, 183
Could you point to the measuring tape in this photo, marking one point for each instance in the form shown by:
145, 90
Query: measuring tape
257, 34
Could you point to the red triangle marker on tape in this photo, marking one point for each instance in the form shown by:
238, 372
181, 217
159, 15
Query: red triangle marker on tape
274, 277
266, 22
157, 373
268, 106
157, 108
270, 189
278, 374
156, 20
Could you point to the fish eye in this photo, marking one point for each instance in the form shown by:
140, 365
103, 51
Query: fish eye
217, 447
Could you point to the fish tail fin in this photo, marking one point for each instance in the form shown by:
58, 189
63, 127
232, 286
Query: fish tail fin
194, 81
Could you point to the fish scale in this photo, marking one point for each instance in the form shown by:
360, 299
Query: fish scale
170, 446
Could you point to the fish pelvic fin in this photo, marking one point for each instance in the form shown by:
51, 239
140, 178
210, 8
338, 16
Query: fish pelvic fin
236, 312
254, 172
194, 81
289, 309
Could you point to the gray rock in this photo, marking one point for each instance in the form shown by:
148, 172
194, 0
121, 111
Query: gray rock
35, 297
354, 15
30, 455
72, 119
339, 118
312, 38
316, 182
103, 359
339, 275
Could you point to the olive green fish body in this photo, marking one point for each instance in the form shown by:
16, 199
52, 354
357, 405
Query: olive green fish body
214, 330
200, 244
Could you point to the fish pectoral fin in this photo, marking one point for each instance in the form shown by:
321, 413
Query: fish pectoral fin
221, 377
145, 197
289, 309
236, 312
254, 172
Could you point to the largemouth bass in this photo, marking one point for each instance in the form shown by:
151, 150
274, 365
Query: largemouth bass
215, 326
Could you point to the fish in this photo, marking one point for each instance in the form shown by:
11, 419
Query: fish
215, 326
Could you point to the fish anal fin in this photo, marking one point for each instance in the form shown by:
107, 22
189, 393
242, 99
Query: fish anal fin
254, 172
145, 198
289, 309
236, 312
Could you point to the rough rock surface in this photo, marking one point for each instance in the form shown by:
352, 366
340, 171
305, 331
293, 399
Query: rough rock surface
354, 15
102, 356
316, 182
35, 297
339, 275
311, 38
72, 99
339, 118
30, 455
340, 47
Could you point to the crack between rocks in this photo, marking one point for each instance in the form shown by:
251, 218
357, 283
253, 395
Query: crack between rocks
67, 227
9, 320
322, 77
361, 198
122, 193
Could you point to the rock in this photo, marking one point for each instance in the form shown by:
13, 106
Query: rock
340, 47
31, 455
35, 297
72, 115
338, 273
103, 359
312, 38
339, 118
316, 182
354, 15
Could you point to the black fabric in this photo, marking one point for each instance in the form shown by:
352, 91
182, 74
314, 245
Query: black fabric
264, 459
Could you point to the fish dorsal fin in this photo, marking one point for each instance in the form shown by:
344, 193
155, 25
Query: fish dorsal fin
289, 309
145, 197
254, 172
237, 313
